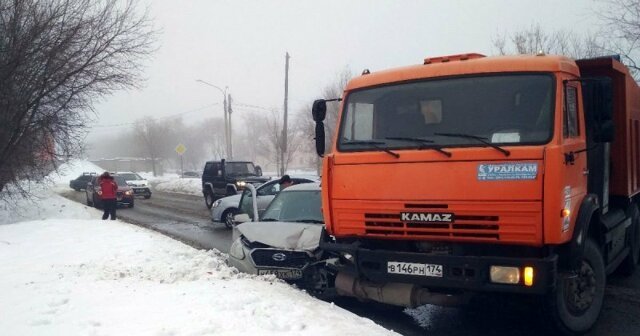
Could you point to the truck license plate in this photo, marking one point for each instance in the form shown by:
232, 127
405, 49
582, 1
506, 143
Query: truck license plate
430, 270
286, 274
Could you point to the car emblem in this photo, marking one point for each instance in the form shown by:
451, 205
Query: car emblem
279, 257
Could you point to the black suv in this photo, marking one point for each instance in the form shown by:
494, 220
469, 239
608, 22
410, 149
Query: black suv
226, 178
80, 183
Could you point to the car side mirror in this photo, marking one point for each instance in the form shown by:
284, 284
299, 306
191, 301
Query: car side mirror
241, 218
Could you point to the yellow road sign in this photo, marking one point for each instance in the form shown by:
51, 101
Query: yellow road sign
180, 149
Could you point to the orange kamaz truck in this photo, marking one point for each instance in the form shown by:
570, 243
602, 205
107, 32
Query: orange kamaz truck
470, 174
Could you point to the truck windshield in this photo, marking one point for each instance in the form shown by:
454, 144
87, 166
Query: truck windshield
240, 168
507, 110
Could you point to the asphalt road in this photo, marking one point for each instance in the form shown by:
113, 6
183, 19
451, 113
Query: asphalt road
186, 218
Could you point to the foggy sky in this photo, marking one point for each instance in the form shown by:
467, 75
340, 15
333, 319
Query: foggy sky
242, 45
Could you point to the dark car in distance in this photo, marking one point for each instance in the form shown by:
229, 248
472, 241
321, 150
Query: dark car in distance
124, 194
225, 178
80, 183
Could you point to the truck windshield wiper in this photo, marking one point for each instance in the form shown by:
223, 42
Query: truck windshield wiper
374, 144
477, 138
421, 142
314, 221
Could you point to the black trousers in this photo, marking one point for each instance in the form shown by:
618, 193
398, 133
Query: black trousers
110, 206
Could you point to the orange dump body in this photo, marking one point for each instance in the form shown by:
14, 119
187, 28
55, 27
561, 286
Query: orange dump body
372, 194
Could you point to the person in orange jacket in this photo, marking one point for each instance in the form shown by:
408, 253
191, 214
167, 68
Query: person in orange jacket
109, 189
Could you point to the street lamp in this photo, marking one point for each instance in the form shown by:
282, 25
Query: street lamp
227, 120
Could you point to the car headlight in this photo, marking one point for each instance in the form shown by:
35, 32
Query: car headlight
216, 203
128, 192
241, 183
237, 249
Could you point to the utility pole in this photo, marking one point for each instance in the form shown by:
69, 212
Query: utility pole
226, 125
230, 110
283, 150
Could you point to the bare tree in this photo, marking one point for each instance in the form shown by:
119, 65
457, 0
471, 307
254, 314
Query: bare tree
534, 40
57, 57
153, 140
621, 30
307, 125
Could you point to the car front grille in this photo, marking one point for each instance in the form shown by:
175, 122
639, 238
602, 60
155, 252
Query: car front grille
283, 258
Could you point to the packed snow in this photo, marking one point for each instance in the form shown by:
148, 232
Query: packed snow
64, 272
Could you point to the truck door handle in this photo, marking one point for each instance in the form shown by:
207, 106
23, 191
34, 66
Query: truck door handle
585, 171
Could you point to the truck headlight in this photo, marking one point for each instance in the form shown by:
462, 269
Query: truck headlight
128, 193
237, 249
505, 275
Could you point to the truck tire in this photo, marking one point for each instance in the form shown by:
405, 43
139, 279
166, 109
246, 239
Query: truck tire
630, 263
89, 202
227, 217
575, 303
208, 199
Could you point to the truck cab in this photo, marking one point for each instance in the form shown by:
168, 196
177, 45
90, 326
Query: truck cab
474, 174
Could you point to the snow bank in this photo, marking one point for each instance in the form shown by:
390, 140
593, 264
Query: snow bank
72, 169
190, 186
66, 274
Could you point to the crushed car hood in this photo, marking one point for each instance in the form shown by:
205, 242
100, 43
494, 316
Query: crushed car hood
285, 235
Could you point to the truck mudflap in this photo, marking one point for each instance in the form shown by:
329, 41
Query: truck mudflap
443, 272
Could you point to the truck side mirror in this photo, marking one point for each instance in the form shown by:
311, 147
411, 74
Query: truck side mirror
319, 110
598, 102
320, 138
606, 132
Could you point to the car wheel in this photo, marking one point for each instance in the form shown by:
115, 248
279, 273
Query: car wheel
630, 263
227, 217
97, 204
575, 304
76, 189
147, 196
208, 199
131, 204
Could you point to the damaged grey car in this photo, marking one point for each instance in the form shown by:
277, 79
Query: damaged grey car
285, 241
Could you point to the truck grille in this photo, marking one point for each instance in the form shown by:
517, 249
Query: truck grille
513, 222
292, 259
464, 226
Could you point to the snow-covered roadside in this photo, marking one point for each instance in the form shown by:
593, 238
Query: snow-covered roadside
189, 186
64, 273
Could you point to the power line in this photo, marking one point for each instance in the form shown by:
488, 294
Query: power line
161, 118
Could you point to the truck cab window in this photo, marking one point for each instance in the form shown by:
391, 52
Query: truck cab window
570, 128
359, 123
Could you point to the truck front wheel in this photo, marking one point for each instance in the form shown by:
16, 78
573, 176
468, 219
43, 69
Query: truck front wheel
575, 304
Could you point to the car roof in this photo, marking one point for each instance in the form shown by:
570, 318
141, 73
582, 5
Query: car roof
315, 186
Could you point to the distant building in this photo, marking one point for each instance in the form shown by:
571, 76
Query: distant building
130, 164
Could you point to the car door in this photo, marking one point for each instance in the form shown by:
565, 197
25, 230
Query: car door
266, 194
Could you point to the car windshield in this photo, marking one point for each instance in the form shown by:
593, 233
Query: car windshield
303, 206
120, 180
240, 168
130, 176
469, 111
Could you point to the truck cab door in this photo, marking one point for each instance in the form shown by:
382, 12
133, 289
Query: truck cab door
575, 151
